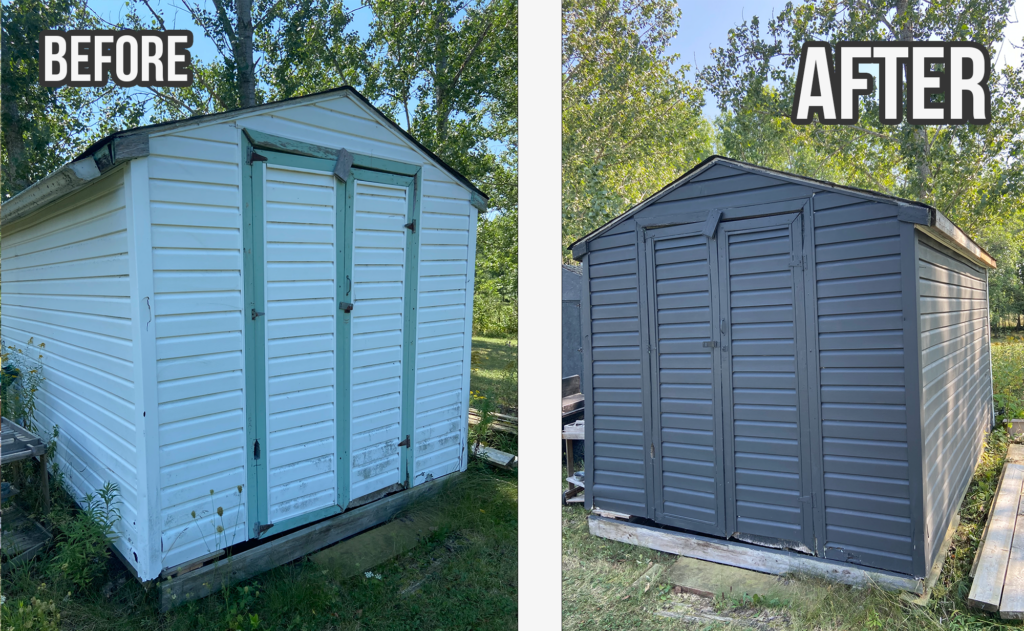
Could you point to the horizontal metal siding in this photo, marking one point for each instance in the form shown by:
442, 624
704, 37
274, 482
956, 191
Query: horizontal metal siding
863, 391
195, 210
957, 390
66, 286
617, 410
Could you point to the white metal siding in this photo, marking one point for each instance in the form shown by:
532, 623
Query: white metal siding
195, 207
378, 293
66, 286
301, 346
445, 322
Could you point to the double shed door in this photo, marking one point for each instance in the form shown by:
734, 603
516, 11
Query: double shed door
330, 270
730, 449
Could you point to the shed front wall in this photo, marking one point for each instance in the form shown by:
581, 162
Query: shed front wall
195, 201
955, 376
67, 297
861, 454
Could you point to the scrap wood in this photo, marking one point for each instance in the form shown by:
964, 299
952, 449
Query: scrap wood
495, 457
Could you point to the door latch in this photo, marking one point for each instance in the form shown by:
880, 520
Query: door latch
411, 225
404, 443
256, 449
256, 314
710, 344
346, 306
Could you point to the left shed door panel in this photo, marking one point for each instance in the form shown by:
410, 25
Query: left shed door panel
299, 367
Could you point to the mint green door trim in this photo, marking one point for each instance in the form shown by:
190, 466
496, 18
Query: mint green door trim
290, 153
410, 308
252, 389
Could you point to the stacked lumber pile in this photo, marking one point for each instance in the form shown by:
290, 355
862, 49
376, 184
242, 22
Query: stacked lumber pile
999, 566
499, 422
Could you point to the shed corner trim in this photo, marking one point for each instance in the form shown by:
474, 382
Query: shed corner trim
579, 250
914, 214
478, 201
343, 167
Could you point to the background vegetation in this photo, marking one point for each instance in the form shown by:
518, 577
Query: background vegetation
444, 70
632, 121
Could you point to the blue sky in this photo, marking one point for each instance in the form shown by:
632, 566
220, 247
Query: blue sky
706, 24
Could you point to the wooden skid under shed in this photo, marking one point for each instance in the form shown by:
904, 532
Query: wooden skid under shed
999, 573
747, 556
212, 578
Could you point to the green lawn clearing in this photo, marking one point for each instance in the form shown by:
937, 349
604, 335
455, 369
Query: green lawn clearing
495, 372
463, 576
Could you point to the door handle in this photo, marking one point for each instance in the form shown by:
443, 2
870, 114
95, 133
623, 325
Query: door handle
722, 326
346, 306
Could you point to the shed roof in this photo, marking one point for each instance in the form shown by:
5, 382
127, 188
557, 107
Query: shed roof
933, 221
125, 145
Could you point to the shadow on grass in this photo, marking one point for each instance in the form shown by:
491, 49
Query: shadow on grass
462, 576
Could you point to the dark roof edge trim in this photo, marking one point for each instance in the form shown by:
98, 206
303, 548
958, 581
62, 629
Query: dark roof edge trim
930, 219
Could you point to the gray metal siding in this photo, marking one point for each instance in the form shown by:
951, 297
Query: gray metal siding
615, 419
572, 344
865, 457
957, 387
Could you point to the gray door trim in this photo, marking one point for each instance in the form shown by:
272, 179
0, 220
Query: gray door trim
814, 378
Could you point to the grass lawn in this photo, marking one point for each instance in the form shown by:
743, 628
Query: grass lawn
596, 573
463, 577
494, 363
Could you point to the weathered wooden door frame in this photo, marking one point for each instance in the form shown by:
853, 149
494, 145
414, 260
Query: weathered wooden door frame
650, 369
794, 221
348, 168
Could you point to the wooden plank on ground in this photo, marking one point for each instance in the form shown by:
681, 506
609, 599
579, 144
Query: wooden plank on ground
213, 578
987, 587
495, 457
1011, 605
749, 556
1014, 455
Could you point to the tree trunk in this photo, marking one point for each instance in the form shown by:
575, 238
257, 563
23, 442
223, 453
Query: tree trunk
13, 133
243, 54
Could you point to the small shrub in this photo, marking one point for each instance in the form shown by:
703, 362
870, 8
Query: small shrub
36, 615
507, 390
485, 408
1008, 378
83, 544
18, 399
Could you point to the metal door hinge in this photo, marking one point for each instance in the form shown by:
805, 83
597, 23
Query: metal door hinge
258, 528
256, 314
346, 306
404, 443
411, 225
256, 449
255, 157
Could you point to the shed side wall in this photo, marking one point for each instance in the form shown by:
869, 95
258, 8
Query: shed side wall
615, 409
865, 455
66, 287
956, 382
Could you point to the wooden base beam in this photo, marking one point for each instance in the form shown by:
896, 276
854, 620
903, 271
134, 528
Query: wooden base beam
225, 572
749, 557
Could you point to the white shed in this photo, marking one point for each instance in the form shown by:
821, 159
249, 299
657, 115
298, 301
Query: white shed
266, 311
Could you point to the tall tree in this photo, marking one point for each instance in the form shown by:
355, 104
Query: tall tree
630, 120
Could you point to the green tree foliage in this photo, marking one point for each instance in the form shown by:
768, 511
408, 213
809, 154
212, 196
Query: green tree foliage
40, 128
631, 123
968, 172
448, 70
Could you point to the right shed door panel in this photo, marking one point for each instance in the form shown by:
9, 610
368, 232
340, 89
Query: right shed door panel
765, 419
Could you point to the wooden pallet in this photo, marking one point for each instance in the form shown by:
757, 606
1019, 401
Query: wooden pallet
22, 538
999, 567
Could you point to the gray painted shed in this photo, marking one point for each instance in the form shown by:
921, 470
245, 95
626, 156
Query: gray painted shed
787, 362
